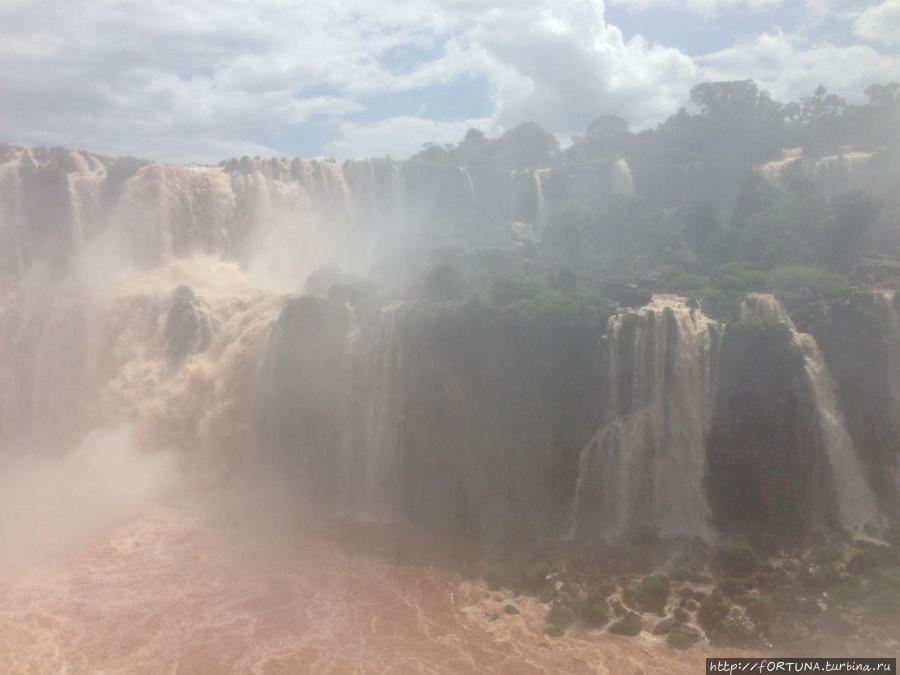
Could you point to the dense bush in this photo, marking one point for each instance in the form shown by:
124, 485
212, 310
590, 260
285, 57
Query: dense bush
736, 560
650, 595
506, 290
712, 612
444, 282
630, 625
594, 610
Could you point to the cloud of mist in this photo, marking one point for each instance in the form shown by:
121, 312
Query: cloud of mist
52, 506
283, 253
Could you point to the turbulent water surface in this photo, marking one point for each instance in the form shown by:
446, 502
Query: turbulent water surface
173, 592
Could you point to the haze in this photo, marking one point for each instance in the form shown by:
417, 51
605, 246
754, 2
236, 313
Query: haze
603, 376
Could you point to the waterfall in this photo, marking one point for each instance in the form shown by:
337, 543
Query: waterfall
893, 336
162, 298
170, 351
541, 215
468, 177
623, 184
829, 175
775, 172
645, 467
890, 301
379, 453
855, 501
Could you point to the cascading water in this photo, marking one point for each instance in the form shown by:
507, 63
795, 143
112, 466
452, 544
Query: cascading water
645, 467
371, 453
893, 336
541, 217
830, 175
855, 502
149, 328
623, 183
168, 349
468, 177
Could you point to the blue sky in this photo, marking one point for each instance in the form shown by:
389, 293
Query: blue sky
200, 81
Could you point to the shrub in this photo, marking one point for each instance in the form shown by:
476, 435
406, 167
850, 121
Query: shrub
683, 282
762, 610
561, 616
796, 277
732, 588
829, 553
736, 560
651, 594
629, 625
535, 577
682, 637
594, 610
850, 591
713, 611
443, 283
554, 631
732, 632
509, 289
885, 593
720, 304
822, 577
872, 558
729, 277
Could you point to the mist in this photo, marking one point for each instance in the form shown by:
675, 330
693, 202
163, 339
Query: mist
501, 405
53, 507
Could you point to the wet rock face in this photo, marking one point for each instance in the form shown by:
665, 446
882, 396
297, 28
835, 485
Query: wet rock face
301, 393
767, 477
188, 326
452, 416
858, 333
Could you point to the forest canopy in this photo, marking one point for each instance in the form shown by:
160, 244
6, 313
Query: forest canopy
743, 193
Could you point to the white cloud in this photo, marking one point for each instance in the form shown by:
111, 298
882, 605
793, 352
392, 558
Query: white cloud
880, 23
221, 77
226, 75
705, 7
399, 136
201, 80
565, 66
788, 67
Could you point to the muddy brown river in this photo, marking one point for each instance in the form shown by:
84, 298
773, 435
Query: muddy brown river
175, 591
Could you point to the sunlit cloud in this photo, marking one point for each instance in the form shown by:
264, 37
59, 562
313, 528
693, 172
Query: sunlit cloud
199, 80
880, 23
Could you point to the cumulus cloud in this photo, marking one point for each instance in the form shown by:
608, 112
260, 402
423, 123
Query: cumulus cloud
398, 136
788, 66
198, 80
880, 23
564, 67
699, 6
213, 77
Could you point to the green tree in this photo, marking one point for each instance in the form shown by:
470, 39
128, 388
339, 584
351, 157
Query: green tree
474, 148
848, 229
444, 283
527, 146
607, 135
